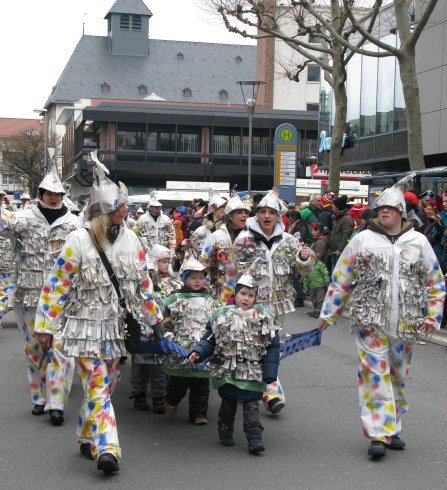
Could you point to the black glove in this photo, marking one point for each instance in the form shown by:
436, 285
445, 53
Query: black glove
159, 330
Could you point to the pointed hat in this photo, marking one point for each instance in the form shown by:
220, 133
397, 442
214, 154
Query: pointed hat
51, 182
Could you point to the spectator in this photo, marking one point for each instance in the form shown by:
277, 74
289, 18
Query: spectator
342, 229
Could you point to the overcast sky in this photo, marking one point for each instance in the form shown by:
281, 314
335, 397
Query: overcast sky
37, 37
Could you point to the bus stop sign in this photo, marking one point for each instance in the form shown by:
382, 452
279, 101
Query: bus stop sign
286, 149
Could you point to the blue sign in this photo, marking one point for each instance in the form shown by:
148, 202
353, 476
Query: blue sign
325, 142
286, 151
16, 196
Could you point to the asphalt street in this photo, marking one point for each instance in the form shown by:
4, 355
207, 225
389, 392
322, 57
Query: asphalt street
315, 443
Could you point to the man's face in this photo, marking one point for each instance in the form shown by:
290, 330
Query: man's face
316, 201
155, 210
389, 217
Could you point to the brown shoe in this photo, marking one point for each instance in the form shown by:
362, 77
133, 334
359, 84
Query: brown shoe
170, 410
201, 421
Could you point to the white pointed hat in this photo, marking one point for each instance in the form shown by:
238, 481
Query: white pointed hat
215, 201
159, 252
247, 280
153, 199
271, 200
394, 197
237, 203
192, 265
25, 195
105, 196
51, 181
140, 210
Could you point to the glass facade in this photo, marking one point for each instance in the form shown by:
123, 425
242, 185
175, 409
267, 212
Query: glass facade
376, 118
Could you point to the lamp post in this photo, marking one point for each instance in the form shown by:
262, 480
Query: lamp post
42, 113
249, 90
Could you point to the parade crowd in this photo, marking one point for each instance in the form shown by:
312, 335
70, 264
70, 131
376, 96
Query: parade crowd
213, 281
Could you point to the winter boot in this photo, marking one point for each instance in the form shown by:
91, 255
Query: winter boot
225, 432
139, 402
158, 405
254, 437
377, 449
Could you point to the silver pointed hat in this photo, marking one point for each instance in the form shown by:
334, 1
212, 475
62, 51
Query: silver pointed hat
52, 182
394, 196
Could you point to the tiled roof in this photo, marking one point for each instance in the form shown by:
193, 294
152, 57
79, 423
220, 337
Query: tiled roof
131, 7
171, 66
14, 126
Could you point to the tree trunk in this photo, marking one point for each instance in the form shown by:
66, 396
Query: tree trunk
341, 109
410, 87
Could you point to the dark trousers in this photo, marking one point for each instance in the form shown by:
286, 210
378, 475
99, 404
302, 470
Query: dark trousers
250, 413
317, 297
148, 376
199, 392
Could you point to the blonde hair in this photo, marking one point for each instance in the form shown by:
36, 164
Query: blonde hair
98, 226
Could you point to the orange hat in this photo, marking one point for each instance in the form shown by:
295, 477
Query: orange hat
357, 210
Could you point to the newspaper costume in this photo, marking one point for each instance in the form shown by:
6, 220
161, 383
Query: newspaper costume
36, 247
79, 290
217, 256
391, 286
6, 265
155, 230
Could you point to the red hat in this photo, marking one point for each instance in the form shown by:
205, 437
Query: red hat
328, 198
357, 210
412, 198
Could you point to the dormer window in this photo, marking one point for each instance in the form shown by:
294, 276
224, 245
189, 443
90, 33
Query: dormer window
187, 92
142, 89
180, 56
124, 22
238, 59
136, 22
105, 87
223, 94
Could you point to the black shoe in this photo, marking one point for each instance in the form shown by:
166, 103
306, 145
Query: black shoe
86, 450
38, 410
225, 432
140, 402
56, 417
254, 437
313, 314
108, 463
158, 405
299, 303
377, 449
396, 443
275, 406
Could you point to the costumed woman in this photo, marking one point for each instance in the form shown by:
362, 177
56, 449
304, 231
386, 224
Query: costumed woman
38, 233
272, 257
218, 249
79, 290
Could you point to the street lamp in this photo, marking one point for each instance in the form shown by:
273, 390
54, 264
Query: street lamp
42, 113
249, 90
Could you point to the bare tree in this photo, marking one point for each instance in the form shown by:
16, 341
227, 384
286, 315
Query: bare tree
409, 24
23, 157
292, 23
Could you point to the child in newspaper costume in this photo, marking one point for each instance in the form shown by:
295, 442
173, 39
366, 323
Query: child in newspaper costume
6, 262
273, 257
155, 227
391, 281
38, 233
147, 369
79, 290
186, 315
244, 340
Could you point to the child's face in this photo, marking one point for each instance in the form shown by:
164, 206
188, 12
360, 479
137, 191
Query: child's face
316, 233
245, 298
163, 266
195, 280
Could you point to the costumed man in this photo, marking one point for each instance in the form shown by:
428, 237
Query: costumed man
155, 227
6, 261
272, 257
390, 279
39, 233
217, 249
211, 223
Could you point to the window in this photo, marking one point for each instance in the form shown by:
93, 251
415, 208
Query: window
187, 92
142, 89
313, 107
180, 56
314, 39
227, 144
368, 93
131, 136
353, 83
136, 23
124, 22
238, 59
105, 87
385, 91
313, 73
223, 94
188, 142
